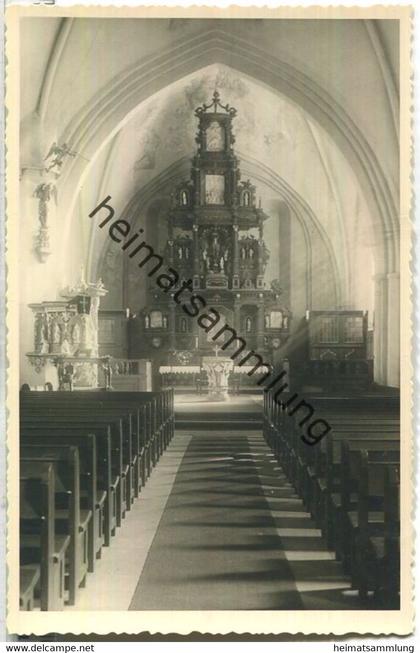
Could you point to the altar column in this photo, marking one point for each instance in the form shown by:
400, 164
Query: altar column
196, 259
172, 325
260, 322
235, 270
237, 313
170, 243
260, 273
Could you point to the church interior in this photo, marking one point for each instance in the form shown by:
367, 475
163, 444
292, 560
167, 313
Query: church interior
209, 325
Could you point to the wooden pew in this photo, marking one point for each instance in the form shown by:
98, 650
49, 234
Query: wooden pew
374, 517
142, 416
156, 423
371, 423
108, 460
164, 400
303, 463
91, 423
65, 403
377, 450
39, 544
382, 561
373, 402
29, 578
324, 474
336, 470
94, 464
154, 418
164, 415
70, 520
306, 466
304, 458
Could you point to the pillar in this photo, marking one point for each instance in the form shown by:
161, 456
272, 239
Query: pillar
170, 244
260, 272
260, 323
284, 255
235, 267
393, 330
380, 330
237, 313
196, 258
172, 325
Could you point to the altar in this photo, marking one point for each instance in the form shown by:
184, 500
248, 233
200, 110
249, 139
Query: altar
187, 378
213, 236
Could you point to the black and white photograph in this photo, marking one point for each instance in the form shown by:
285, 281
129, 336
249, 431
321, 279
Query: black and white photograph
209, 330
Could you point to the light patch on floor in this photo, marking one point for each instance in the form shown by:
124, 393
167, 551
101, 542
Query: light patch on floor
290, 514
300, 556
316, 585
272, 501
199, 403
298, 532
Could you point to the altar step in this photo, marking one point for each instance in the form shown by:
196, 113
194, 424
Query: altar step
218, 420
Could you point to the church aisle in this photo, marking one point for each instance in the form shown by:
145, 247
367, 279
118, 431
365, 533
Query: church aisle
234, 535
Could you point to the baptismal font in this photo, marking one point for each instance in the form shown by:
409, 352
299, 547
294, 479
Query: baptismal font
218, 370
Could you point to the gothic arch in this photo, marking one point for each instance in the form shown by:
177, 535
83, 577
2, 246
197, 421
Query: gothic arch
104, 115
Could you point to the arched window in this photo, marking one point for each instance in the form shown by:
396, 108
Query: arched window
248, 325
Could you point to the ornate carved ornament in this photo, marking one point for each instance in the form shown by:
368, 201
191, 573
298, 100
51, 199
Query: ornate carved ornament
56, 156
38, 362
82, 287
44, 192
215, 104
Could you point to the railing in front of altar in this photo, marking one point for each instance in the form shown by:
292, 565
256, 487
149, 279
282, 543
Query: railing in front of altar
194, 377
125, 366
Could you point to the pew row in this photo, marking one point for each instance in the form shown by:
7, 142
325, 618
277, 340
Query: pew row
102, 447
70, 520
40, 547
327, 476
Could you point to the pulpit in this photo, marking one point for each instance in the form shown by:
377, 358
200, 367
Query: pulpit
66, 336
218, 369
